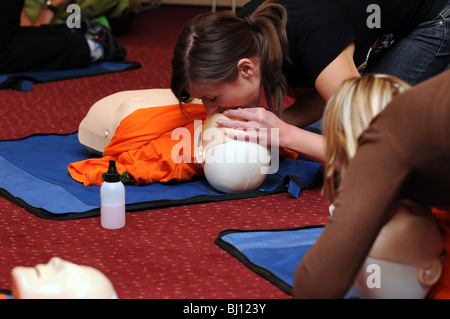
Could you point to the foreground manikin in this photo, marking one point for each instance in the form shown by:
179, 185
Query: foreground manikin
60, 279
229, 165
404, 261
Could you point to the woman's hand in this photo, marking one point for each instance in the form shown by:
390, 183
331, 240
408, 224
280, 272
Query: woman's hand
45, 15
261, 125
60, 3
254, 124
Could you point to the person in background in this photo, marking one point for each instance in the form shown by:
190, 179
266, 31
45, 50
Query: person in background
51, 47
119, 13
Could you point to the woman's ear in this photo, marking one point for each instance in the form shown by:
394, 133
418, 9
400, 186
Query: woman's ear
430, 274
246, 67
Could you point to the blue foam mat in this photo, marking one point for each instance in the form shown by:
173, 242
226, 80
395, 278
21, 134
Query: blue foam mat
34, 175
273, 253
23, 81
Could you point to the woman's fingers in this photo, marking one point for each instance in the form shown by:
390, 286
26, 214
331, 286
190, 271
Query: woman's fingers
254, 124
245, 118
237, 124
249, 114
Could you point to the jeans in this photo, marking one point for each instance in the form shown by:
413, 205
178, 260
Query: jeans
420, 55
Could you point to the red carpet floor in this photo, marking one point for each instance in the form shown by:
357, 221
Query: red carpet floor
161, 253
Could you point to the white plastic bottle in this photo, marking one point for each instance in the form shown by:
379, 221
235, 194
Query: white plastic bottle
112, 196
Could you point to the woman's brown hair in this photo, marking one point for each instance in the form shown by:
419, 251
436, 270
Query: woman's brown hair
210, 45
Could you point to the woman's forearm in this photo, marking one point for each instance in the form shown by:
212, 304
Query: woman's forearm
302, 141
45, 16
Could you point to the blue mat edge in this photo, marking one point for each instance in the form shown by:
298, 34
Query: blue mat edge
23, 81
262, 271
43, 213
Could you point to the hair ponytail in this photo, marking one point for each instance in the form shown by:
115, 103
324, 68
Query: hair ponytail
211, 44
269, 25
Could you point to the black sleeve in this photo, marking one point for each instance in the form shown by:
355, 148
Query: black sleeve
317, 35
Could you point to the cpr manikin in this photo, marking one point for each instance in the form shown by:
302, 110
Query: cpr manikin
60, 279
99, 125
404, 261
229, 165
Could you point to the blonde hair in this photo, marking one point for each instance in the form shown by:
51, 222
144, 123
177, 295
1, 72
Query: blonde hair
348, 113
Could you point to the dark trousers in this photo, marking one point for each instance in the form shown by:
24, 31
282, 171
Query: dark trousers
48, 47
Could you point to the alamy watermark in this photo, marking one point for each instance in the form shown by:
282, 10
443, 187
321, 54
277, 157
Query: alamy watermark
374, 279
73, 21
374, 19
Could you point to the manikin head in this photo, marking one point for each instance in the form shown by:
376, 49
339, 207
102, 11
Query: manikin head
59, 279
404, 261
229, 165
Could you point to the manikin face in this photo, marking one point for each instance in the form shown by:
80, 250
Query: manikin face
59, 279
242, 92
229, 165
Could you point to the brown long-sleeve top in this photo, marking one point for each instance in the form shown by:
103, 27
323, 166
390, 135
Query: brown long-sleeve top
404, 154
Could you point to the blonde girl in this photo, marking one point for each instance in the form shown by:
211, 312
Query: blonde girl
348, 114
392, 148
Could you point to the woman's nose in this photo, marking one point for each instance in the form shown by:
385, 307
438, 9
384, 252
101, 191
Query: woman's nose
209, 106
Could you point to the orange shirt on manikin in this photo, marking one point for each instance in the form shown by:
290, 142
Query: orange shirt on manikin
142, 147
